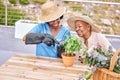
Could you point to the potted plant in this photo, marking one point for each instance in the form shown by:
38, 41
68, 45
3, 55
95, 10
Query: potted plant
102, 62
71, 45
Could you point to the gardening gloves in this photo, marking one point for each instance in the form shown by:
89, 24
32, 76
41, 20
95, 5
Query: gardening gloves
60, 49
36, 38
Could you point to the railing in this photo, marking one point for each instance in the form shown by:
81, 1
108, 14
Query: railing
8, 14
105, 14
98, 2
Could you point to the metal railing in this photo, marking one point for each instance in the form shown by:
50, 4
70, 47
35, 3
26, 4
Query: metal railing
98, 2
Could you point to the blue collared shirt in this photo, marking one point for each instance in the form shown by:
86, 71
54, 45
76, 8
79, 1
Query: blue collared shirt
49, 51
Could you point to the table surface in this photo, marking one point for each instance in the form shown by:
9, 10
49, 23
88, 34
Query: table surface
28, 67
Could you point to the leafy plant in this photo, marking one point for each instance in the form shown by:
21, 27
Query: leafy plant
39, 1
72, 44
76, 7
13, 15
13, 1
24, 2
95, 56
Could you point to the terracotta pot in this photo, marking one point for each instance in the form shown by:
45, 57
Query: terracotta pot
68, 61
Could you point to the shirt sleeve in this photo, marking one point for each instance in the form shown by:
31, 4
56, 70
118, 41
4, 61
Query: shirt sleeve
103, 41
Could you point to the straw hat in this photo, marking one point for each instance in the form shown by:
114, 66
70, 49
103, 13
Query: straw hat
50, 11
71, 22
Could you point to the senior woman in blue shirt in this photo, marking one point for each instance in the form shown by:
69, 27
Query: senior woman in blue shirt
50, 18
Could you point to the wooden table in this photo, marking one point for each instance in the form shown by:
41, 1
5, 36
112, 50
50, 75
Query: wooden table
27, 67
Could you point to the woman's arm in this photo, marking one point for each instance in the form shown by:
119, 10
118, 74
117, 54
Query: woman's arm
103, 41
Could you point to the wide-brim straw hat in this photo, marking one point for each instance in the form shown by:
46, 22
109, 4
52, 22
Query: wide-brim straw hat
50, 11
71, 22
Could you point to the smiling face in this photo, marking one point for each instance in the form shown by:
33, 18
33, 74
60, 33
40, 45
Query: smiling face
55, 23
82, 28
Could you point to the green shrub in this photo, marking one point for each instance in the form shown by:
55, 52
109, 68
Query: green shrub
39, 1
76, 7
66, 2
24, 2
13, 15
13, 1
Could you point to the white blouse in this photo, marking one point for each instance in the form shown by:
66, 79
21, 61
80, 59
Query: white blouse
96, 38
100, 39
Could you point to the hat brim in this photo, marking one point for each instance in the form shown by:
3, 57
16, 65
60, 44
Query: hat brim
71, 22
57, 14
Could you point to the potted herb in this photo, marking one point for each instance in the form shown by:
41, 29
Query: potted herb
71, 45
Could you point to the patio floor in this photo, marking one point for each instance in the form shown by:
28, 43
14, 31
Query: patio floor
9, 45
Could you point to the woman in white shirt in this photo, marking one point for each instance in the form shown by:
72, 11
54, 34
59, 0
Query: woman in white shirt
86, 28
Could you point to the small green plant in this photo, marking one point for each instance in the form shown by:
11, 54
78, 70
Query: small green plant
76, 7
13, 1
24, 2
39, 1
72, 44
